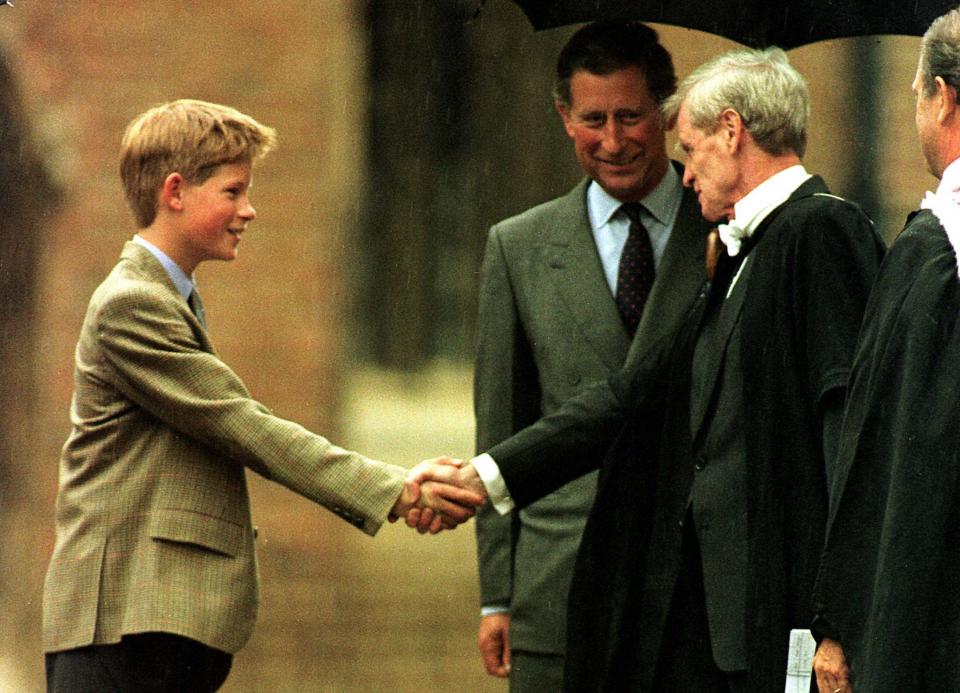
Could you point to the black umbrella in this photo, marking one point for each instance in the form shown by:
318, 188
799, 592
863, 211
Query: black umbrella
758, 23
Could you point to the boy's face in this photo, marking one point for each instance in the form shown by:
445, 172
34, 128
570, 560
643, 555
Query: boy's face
216, 212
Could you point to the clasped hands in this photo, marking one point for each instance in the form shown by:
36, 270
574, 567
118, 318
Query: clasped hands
439, 494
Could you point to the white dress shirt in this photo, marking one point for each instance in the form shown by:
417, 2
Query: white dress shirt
945, 204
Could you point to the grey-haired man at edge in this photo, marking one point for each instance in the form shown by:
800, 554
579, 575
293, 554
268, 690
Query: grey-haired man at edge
888, 592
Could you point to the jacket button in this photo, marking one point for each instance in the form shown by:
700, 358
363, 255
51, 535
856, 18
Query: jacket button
700, 463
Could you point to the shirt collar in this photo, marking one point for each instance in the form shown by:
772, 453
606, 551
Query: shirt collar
180, 279
756, 205
945, 204
661, 202
950, 180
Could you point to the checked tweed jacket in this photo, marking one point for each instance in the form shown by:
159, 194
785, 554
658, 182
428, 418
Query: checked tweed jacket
153, 518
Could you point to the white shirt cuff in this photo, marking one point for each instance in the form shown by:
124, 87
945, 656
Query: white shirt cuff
497, 492
491, 610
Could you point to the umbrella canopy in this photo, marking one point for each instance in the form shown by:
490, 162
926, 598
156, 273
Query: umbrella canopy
757, 23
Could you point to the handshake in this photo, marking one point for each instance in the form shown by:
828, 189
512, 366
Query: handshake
439, 494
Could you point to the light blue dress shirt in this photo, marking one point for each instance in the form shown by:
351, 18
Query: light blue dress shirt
610, 226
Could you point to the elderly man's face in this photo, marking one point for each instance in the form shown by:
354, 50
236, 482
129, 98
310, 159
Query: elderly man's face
711, 170
927, 126
617, 131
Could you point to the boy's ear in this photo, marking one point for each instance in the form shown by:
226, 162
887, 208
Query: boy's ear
171, 194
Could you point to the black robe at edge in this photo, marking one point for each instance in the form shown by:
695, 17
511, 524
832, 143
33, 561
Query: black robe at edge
889, 586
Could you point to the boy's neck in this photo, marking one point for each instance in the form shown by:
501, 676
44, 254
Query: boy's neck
166, 240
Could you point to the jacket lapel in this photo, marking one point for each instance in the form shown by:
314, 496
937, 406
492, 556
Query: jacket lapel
142, 262
680, 277
728, 315
577, 274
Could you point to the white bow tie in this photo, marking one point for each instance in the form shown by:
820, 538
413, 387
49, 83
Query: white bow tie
732, 235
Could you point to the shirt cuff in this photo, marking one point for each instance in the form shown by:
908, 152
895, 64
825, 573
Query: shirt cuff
497, 492
491, 610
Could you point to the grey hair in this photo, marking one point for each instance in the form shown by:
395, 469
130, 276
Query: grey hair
940, 53
761, 85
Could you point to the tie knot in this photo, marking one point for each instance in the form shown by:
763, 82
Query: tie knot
632, 210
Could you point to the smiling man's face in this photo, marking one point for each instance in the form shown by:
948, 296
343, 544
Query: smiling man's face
617, 131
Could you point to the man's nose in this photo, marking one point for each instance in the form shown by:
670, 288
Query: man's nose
613, 136
688, 177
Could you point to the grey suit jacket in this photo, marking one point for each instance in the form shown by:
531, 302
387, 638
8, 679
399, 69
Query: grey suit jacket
548, 326
153, 517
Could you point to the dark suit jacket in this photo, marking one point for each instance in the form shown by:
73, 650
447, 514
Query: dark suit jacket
812, 270
548, 326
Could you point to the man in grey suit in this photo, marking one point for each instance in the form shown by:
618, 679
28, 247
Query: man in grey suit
562, 294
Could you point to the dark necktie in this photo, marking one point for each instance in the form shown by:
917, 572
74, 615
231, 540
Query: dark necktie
636, 273
196, 305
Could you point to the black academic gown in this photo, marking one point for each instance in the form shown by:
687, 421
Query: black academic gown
813, 267
889, 585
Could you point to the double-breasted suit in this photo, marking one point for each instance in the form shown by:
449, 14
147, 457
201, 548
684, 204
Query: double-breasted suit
548, 326
153, 518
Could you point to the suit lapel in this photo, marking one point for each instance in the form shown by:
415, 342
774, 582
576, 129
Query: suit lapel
679, 278
577, 274
728, 316
581, 282
145, 265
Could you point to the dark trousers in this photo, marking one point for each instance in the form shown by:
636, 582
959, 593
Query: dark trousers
686, 664
535, 672
141, 663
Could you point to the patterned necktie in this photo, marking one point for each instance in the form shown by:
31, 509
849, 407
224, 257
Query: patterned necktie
636, 272
196, 305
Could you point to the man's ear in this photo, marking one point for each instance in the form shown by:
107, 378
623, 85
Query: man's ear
948, 101
171, 194
565, 116
732, 128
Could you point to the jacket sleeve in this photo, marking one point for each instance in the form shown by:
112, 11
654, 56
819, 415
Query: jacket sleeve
506, 398
574, 440
835, 269
153, 357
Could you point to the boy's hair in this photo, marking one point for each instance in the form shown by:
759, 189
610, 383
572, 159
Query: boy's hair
188, 137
